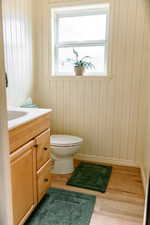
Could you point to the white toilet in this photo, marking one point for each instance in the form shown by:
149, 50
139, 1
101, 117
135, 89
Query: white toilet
63, 148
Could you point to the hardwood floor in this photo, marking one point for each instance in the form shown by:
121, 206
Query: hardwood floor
123, 202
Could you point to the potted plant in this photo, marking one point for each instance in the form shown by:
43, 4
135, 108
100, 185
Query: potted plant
80, 64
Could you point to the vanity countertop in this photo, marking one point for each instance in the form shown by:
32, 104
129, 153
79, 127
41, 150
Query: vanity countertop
18, 116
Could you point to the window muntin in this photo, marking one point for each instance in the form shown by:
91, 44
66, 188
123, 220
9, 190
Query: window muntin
78, 29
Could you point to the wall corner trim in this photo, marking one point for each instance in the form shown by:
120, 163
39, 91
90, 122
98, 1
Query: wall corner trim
143, 177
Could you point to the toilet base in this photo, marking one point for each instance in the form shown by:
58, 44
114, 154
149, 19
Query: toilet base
63, 165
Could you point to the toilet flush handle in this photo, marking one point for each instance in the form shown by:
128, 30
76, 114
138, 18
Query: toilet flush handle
46, 179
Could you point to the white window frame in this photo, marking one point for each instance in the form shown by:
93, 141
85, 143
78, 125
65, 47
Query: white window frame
72, 12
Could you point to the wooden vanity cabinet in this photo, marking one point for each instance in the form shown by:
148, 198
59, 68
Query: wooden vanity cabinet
43, 163
43, 146
43, 179
30, 175
24, 133
23, 172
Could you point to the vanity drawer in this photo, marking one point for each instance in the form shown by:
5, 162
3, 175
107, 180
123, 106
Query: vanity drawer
43, 148
26, 132
43, 179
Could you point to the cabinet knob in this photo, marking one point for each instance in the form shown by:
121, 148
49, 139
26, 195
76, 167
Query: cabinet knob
36, 146
46, 180
45, 148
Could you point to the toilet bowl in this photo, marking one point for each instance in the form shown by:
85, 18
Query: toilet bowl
63, 148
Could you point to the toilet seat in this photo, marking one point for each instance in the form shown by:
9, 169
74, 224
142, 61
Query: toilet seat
65, 140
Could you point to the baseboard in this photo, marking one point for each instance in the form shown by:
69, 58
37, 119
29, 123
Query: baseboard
100, 159
143, 176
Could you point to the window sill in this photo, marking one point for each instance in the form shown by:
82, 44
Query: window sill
71, 77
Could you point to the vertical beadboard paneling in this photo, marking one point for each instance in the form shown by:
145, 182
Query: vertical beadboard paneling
145, 97
17, 27
105, 112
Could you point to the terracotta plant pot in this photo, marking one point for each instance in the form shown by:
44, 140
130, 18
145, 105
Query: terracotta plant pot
79, 70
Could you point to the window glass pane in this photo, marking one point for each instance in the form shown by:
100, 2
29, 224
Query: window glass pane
96, 52
82, 28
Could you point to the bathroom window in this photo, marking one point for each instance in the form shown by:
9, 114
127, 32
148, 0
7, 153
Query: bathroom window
84, 29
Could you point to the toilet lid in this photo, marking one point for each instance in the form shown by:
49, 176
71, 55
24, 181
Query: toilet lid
65, 140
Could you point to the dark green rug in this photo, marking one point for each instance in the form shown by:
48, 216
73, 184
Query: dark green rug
61, 207
91, 176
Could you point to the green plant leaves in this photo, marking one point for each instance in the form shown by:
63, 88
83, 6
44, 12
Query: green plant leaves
76, 53
83, 62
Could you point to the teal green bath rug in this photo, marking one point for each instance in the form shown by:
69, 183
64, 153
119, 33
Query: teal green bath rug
91, 176
61, 207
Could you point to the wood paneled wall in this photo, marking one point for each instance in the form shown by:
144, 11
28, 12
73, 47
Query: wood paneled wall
106, 112
17, 26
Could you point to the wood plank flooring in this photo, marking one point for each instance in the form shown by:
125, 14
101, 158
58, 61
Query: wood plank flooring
122, 204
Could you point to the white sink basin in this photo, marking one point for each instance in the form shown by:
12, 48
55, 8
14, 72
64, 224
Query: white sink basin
15, 114
18, 116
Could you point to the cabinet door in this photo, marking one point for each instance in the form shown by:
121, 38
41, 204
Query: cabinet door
43, 148
43, 177
23, 175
